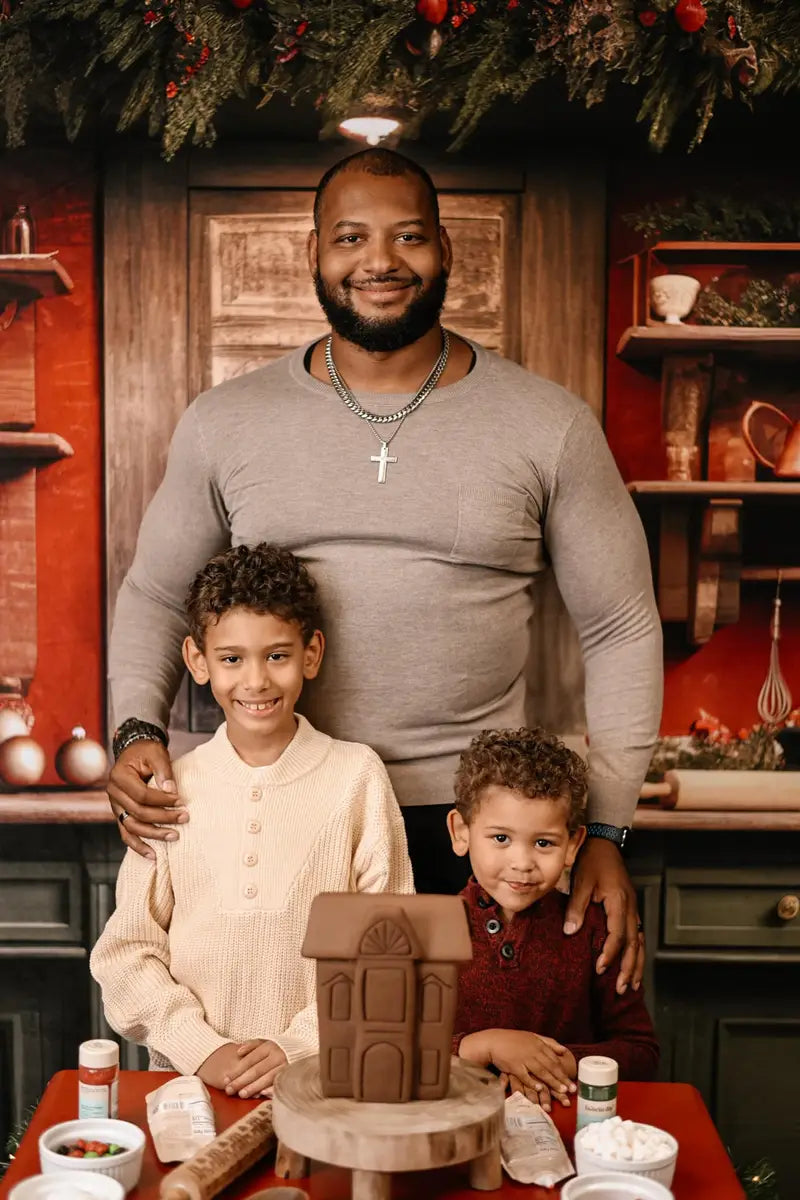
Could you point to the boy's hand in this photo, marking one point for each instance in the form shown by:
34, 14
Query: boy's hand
218, 1066
538, 1093
257, 1064
530, 1057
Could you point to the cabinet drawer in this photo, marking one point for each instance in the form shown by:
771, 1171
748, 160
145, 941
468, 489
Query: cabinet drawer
732, 908
40, 902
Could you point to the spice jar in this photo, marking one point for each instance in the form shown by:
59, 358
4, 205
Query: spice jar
597, 1089
98, 1078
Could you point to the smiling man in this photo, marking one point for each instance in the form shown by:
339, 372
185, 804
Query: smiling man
426, 482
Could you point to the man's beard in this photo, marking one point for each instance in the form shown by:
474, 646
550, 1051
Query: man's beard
382, 334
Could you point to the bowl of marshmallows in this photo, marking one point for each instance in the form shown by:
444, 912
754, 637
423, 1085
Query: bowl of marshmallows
626, 1146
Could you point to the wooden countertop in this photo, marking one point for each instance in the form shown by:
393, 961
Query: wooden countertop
66, 807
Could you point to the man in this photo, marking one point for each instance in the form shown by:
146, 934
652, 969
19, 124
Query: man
425, 482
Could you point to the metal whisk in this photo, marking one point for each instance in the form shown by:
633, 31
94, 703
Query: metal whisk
775, 699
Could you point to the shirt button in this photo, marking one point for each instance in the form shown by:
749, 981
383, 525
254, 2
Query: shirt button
255, 793
250, 860
483, 902
493, 925
254, 827
507, 950
250, 891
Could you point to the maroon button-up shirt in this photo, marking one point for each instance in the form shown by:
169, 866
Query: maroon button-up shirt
529, 975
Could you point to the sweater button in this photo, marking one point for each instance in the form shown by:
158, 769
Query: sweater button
493, 925
250, 891
255, 793
250, 860
483, 902
254, 827
507, 950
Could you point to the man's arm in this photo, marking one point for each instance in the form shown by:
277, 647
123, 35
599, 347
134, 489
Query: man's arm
184, 525
599, 555
602, 567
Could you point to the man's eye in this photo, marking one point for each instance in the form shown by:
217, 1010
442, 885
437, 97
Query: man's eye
410, 237
349, 238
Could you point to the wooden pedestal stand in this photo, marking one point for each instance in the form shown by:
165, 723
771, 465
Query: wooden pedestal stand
374, 1140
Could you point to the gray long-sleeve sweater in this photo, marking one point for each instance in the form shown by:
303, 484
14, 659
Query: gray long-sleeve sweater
424, 579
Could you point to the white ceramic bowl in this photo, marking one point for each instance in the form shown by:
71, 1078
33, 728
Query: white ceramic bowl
661, 1169
614, 1185
125, 1168
68, 1185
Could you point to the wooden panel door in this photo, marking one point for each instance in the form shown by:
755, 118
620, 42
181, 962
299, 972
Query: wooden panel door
251, 298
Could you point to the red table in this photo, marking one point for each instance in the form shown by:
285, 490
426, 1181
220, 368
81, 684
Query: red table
704, 1170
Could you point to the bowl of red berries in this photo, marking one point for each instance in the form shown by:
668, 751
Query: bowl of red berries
108, 1147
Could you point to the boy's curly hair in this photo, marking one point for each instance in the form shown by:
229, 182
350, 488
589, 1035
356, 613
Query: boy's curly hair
529, 761
262, 578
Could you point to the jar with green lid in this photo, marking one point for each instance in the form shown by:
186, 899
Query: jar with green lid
597, 1089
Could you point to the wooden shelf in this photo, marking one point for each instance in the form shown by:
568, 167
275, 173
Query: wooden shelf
710, 489
29, 277
649, 816
63, 807
33, 447
640, 343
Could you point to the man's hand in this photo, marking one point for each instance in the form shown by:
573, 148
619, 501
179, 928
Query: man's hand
218, 1067
530, 1057
600, 875
257, 1064
137, 807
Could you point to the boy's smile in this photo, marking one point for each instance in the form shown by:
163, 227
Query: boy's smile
518, 845
256, 664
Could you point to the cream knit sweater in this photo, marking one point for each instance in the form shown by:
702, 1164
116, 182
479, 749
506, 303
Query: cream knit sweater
204, 945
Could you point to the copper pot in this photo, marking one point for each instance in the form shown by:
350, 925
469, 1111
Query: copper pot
773, 438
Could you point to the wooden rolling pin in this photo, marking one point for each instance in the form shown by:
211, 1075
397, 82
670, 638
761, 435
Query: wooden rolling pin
231, 1153
746, 791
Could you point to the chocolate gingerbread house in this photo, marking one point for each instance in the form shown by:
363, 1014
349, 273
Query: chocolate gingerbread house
387, 972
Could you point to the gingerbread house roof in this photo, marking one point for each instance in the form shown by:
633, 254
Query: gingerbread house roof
337, 922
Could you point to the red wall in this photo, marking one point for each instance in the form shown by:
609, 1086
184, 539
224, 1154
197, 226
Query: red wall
61, 189
726, 674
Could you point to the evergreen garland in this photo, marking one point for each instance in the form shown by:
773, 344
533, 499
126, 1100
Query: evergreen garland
713, 217
762, 305
173, 63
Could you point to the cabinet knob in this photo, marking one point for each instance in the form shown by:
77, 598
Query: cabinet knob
788, 907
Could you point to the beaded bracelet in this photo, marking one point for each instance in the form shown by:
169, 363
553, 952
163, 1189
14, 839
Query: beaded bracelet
134, 730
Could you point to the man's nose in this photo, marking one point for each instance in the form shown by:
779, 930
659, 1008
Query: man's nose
382, 255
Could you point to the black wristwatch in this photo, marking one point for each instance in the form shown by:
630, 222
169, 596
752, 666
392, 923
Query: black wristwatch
134, 730
618, 834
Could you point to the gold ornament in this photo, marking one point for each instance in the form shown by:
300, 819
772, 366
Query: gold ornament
22, 761
81, 760
12, 724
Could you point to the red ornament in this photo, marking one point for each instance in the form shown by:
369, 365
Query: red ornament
648, 18
456, 21
432, 11
172, 89
691, 15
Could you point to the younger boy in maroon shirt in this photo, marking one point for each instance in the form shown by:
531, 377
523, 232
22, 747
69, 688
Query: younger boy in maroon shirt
531, 1003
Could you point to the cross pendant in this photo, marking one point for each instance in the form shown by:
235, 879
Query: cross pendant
382, 459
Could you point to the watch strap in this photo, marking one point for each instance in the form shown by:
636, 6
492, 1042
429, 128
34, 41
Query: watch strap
618, 834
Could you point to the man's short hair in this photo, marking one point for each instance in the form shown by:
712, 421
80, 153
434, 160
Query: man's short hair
376, 161
529, 761
263, 579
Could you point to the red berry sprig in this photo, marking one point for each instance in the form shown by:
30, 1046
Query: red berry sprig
691, 15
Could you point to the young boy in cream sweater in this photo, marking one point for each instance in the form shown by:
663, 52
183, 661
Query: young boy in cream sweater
201, 959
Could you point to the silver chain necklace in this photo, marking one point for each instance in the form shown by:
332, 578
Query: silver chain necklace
373, 419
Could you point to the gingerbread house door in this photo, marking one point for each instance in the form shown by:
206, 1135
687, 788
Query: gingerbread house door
386, 1013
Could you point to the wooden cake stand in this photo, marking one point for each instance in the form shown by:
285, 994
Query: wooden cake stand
374, 1140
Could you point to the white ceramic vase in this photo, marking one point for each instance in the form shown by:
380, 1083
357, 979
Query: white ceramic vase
672, 297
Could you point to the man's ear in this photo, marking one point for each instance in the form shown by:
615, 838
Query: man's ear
312, 654
312, 252
576, 840
447, 250
195, 660
458, 829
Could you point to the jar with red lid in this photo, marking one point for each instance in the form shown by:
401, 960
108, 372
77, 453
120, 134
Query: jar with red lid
98, 1078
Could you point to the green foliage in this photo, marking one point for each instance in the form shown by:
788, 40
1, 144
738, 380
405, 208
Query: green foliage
142, 61
761, 305
712, 217
758, 751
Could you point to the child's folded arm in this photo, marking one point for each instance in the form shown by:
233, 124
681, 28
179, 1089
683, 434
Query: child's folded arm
131, 962
380, 860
